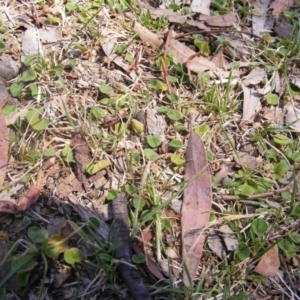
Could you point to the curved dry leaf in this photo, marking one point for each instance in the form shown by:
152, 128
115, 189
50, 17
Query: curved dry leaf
196, 206
226, 20
280, 6
201, 6
292, 117
269, 263
3, 148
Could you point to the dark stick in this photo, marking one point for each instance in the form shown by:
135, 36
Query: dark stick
120, 233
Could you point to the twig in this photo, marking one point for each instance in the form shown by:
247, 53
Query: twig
256, 196
163, 61
128, 271
218, 31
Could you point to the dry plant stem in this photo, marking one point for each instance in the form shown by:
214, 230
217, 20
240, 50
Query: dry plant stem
187, 61
166, 47
4, 102
283, 263
218, 31
262, 195
120, 235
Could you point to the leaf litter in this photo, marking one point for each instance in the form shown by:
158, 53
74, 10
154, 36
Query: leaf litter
120, 99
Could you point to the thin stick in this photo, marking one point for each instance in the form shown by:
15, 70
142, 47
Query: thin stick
256, 196
163, 61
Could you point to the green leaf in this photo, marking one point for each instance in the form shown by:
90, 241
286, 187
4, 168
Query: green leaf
137, 126
272, 99
16, 88
296, 210
22, 278
92, 168
130, 189
245, 190
153, 140
295, 237
55, 245
281, 139
135, 158
176, 144
105, 89
150, 154
243, 251
29, 59
2, 46
203, 132
287, 247
278, 170
202, 46
37, 234
179, 127
177, 159
129, 58
70, 6
105, 101
49, 152
272, 153
259, 226
93, 222
296, 157
209, 156
138, 203
28, 75
72, 256
173, 98
112, 194
33, 118
8, 109
97, 113
174, 115
138, 258
68, 154
34, 89
53, 20
165, 223
164, 109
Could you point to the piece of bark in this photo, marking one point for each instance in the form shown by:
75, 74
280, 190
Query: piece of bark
128, 271
82, 158
85, 213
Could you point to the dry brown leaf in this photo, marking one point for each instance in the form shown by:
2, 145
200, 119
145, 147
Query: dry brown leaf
201, 6
226, 20
3, 149
33, 194
269, 263
230, 239
196, 206
215, 244
30, 43
251, 101
256, 76
292, 117
279, 6
68, 185
156, 123
181, 52
259, 13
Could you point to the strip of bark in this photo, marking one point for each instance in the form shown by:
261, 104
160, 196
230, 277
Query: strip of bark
120, 235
